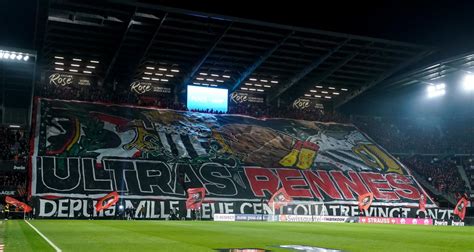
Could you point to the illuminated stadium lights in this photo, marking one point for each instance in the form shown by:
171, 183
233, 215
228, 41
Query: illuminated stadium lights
150, 68
319, 86
175, 70
162, 69
58, 57
13, 56
94, 61
253, 79
313, 91
148, 73
73, 70
344, 89
199, 78
203, 74
59, 69
244, 88
91, 67
436, 90
59, 63
226, 76
468, 82
274, 81
267, 86
76, 59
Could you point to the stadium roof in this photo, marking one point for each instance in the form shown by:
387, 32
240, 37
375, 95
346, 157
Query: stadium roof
431, 73
124, 41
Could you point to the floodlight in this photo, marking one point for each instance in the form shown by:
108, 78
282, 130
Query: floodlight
468, 82
436, 90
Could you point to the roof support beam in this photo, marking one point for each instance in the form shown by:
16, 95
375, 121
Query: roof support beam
152, 39
203, 59
119, 47
329, 72
381, 78
259, 62
315, 64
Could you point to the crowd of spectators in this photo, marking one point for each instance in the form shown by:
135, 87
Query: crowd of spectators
13, 145
415, 135
442, 174
12, 179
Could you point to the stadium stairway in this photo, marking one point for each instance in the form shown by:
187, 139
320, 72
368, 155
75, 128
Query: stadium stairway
464, 176
450, 198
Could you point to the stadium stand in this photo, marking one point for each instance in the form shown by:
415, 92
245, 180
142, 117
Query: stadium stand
106, 85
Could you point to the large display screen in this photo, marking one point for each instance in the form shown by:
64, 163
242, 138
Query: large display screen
203, 98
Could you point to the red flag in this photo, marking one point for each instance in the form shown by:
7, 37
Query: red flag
460, 209
195, 197
280, 198
17, 203
107, 201
422, 202
365, 200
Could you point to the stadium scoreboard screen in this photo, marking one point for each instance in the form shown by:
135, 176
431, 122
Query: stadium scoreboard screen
203, 98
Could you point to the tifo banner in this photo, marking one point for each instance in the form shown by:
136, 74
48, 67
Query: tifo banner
81, 208
85, 150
